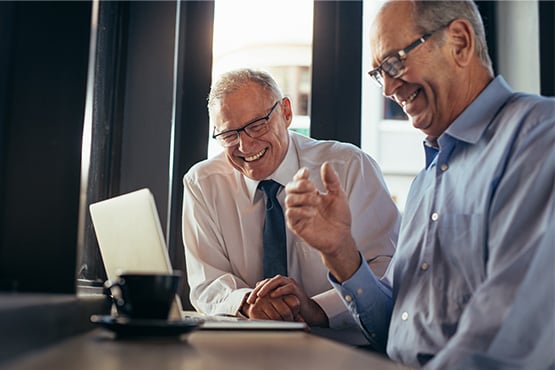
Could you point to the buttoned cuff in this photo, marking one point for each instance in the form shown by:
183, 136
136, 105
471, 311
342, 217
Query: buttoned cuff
236, 299
353, 288
338, 315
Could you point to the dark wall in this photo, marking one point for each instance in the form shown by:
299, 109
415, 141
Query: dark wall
44, 53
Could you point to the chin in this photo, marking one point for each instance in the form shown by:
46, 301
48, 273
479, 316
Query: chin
420, 124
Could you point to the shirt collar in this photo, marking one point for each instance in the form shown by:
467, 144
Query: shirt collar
283, 174
474, 120
430, 150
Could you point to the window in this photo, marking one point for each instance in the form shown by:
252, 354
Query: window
387, 135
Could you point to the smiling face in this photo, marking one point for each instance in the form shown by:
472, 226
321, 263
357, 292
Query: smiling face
260, 157
428, 89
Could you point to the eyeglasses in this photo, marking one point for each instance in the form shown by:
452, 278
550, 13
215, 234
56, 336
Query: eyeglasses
393, 65
255, 128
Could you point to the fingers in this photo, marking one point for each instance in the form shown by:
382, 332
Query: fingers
266, 286
302, 174
294, 305
300, 183
285, 290
279, 310
254, 293
302, 191
267, 308
330, 178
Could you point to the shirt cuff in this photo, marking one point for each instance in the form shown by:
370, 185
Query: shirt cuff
369, 302
338, 315
352, 288
235, 300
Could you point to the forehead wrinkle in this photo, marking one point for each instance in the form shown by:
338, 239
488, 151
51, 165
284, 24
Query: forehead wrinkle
234, 112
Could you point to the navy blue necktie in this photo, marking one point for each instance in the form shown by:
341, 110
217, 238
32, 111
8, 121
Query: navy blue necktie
274, 240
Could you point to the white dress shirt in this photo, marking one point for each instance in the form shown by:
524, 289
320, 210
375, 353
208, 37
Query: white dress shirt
223, 218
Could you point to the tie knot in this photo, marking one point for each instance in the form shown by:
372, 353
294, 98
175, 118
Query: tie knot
270, 187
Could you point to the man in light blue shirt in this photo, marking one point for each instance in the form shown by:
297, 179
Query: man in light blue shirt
474, 216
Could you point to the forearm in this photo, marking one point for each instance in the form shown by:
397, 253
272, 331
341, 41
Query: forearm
216, 296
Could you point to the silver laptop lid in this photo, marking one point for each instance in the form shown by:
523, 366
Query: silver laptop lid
130, 236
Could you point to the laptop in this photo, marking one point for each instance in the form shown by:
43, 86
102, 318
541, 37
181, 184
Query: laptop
130, 238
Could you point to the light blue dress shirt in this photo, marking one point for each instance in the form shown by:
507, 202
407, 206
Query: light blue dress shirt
524, 342
473, 221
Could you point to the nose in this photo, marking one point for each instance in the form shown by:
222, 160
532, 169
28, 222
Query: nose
390, 86
245, 141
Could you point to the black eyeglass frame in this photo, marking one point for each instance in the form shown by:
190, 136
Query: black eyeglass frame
244, 128
390, 67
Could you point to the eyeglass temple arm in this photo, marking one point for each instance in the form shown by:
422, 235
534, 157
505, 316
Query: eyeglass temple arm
403, 53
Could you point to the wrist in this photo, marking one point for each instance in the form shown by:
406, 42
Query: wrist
344, 261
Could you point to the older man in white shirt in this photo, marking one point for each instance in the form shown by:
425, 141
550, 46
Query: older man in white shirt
223, 210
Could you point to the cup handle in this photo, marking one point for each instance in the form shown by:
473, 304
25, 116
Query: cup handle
114, 287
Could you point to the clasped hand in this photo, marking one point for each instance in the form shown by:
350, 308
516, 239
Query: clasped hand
288, 301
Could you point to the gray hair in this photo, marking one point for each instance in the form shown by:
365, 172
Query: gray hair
232, 81
432, 15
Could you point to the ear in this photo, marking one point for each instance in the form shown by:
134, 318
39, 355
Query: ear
287, 111
461, 39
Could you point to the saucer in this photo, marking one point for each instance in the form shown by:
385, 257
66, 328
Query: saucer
126, 327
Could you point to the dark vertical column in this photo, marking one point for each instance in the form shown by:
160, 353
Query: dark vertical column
107, 123
487, 11
337, 71
547, 48
6, 61
190, 131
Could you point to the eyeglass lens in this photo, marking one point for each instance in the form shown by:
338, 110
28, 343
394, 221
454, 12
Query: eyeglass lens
391, 65
253, 129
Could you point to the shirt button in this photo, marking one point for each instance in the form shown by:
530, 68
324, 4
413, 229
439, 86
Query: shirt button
405, 316
359, 291
424, 266
348, 298
435, 216
444, 167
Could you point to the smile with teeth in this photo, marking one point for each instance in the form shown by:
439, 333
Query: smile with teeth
256, 156
410, 98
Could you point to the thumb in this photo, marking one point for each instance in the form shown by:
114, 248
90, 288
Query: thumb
330, 178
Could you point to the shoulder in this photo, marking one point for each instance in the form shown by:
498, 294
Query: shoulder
312, 151
530, 108
208, 170
533, 116
352, 164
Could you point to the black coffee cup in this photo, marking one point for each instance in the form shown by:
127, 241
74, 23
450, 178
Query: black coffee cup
144, 295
